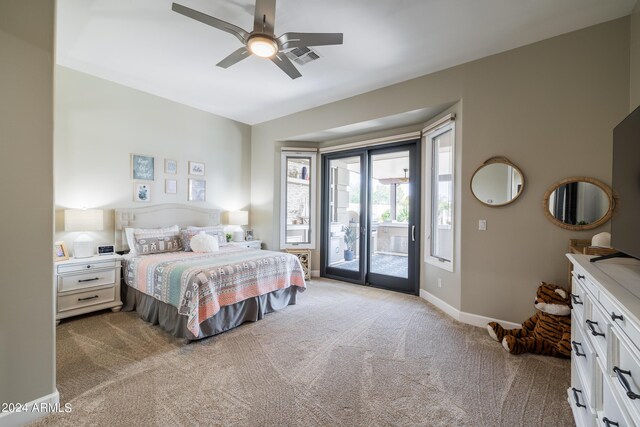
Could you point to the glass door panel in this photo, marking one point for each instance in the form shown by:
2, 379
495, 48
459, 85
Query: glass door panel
389, 231
345, 208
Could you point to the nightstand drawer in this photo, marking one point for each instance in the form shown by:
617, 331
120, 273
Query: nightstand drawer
86, 280
91, 264
83, 299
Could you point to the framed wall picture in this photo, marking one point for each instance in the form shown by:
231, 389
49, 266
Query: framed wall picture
197, 190
248, 235
170, 186
196, 168
60, 252
170, 166
142, 167
141, 192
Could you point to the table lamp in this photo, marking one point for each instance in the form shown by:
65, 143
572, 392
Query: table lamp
238, 218
83, 220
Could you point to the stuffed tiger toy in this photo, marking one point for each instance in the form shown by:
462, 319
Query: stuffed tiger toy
547, 332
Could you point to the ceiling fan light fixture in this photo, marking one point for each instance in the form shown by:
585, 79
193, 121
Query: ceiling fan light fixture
262, 46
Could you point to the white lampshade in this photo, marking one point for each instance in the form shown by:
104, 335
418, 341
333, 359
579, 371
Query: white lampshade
83, 220
239, 218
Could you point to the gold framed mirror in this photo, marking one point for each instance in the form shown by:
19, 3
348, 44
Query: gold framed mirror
497, 182
579, 203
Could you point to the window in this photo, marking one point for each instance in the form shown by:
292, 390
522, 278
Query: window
298, 193
441, 152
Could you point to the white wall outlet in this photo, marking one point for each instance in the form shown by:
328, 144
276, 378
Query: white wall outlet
482, 225
439, 282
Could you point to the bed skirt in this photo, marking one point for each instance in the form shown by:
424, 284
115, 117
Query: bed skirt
166, 316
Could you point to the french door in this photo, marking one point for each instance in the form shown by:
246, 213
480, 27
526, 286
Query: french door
371, 217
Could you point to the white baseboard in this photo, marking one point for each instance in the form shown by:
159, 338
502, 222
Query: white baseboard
315, 273
461, 316
18, 419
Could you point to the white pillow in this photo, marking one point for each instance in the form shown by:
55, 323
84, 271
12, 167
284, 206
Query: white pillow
131, 239
204, 243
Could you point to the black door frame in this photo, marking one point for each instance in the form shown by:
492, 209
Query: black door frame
363, 276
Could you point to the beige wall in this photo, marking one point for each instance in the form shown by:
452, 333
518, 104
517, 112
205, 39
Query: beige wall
27, 348
100, 123
550, 107
634, 91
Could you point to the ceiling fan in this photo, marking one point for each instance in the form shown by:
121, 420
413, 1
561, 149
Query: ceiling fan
262, 41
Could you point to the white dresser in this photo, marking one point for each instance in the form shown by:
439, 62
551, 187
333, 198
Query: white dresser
87, 284
605, 361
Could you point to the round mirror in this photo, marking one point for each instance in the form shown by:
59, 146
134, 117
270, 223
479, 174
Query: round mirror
497, 182
579, 203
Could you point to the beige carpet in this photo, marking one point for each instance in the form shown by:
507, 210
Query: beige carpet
344, 356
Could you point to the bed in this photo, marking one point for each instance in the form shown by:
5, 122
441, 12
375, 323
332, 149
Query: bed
196, 295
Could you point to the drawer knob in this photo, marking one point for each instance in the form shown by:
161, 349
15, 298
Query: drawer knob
595, 333
88, 266
88, 298
615, 316
624, 383
609, 423
576, 299
580, 276
575, 397
575, 349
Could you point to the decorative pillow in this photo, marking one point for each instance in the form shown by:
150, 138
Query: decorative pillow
204, 243
215, 231
147, 232
158, 244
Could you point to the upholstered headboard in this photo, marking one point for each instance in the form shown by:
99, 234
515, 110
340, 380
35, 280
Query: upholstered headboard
163, 215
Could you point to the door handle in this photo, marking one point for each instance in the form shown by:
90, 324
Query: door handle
413, 233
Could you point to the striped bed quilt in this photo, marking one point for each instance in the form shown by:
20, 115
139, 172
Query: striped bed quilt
198, 284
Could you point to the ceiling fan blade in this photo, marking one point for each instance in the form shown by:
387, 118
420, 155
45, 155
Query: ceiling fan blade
285, 65
234, 58
241, 34
264, 19
289, 40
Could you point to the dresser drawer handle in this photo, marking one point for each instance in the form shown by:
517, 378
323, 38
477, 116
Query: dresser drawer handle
595, 333
609, 423
615, 316
88, 298
580, 277
576, 299
575, 348
625, 384
575, 397
88, 280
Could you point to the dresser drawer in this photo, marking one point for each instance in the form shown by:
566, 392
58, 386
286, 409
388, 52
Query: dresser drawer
88, 279
631, 330
612, 413
582, 411
578, 297
596, 329
584, 359
626, 377
89, 265
581, 277
84, 299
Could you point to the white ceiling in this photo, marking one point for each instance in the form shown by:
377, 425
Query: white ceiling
144, 45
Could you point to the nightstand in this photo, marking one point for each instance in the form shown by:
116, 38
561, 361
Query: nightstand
87, 284
251, 244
